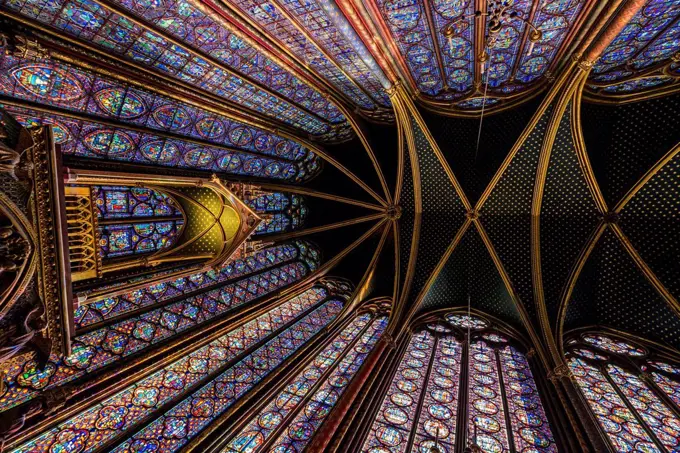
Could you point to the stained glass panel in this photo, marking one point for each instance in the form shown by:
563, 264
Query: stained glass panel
486, 412
328, 38
60, 85
301, 429
126, 409
139, 238
275, 414
172, 430
182, 20
465, 322
126, 202
109, 344
658, 417
391, 428
155, 293
97, 141
649, 39
530, 428
669, 386
618, 422
282, 211
611, 345
439, 411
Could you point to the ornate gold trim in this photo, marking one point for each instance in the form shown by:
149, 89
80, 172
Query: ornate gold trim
538, 345
646, 270
570, 284
331, 226
315, 193
656, 168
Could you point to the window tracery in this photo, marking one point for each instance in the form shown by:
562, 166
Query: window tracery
440, 386
631, 390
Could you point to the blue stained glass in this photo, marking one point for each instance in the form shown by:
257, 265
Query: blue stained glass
283, 404
111, 343
81, 91
554, 19
129, 239
638, 84
308, 420
93, 140
650, 38
281, 211
127, 408
103, 27
477, 103
223, 391
314, 17
128, 202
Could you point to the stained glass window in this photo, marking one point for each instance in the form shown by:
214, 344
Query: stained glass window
281, 212
274, 336
86, 93
128, 202
218, 69
423, 402
648, 41
634, 397
420, 33
93, 140
139, 238
292, 416
165, 289
138, 331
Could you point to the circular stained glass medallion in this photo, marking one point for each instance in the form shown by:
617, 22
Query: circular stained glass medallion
401, 399
389, 436
485, 407
395, 415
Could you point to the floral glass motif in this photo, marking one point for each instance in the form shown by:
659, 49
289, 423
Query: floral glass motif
139, 238
429, 377
77, 90
109, 344
611, 345
189, 417
97, 141
282, 211
100, 423
133, 202
231, 56
159, 291
648, 40
301, 429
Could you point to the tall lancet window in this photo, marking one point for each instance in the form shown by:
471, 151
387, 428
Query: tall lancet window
447, 391
288, 421
163, 410
633, 392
